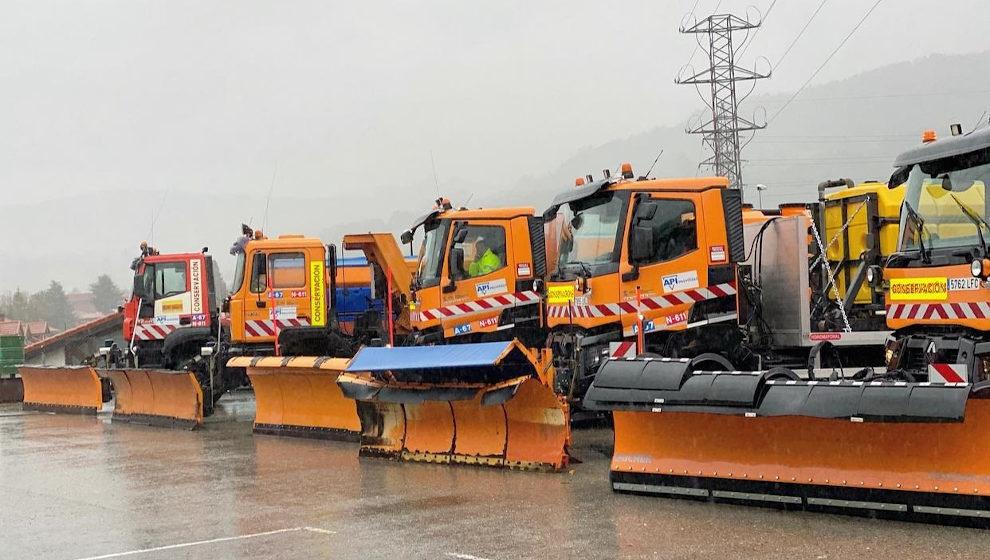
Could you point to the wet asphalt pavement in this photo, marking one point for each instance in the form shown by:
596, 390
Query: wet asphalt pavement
75, 487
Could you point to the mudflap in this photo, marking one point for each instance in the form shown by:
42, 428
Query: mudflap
73, 389
881, 448
154, 397
513, 422
299, 396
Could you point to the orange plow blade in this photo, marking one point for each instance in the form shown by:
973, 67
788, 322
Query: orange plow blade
880, 448
538, 426
157, 397
61, 389
299, 397
478, 404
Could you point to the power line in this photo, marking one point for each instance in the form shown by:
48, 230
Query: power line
815, 73
831, 141
884, 96
817, 163
856, 158
757, 32
800, 33
905, 135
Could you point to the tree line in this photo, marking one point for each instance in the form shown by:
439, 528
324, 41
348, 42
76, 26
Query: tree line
52, 304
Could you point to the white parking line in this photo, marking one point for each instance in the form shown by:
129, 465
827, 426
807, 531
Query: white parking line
210, 541
460, 556
318, 530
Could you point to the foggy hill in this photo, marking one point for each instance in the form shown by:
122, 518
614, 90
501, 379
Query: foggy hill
850, 128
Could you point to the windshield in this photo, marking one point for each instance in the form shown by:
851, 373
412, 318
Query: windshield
950, 202
590, 235
238, 272
431, 253
170, 279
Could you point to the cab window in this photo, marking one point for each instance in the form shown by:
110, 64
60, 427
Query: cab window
288, 270
674, 228
170, 279
484, 250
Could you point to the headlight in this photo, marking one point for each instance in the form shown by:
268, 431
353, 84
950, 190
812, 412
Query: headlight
976, 268
874, 276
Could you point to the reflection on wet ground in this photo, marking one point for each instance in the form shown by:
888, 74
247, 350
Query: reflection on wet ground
77, 487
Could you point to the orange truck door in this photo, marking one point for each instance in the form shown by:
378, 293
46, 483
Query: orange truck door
666, 237
479, 277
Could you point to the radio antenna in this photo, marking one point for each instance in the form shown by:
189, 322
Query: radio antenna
264, 222
436, 181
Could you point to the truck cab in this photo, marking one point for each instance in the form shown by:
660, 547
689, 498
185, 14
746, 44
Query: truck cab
667, 247
172, 305
935, 284
279, 284
478, 276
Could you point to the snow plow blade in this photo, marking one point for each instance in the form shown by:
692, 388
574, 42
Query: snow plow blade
299, 397
156, 397
482, 404
61, 389
913, 451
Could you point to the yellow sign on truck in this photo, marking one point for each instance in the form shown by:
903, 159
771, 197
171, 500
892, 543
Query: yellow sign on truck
933, 288
318, 308
560, 294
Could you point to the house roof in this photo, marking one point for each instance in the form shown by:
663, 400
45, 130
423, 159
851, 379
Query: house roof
35, 328
83, 305
78, 330
11, 328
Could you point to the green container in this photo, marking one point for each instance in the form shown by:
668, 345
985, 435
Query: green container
11, 354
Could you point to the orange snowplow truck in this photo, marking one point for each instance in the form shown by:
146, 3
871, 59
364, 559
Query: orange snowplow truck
670, 267
904, 441
284, 333
180, 359
472, 383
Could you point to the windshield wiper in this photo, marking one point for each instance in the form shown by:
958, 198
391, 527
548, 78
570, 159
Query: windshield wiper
584, 268
919, 222
976, 219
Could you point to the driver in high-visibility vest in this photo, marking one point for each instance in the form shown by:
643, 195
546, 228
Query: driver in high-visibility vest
485, 262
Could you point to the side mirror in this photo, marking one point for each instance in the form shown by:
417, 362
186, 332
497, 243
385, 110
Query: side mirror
460, 234
225, 306
455, 268
407, 237
646, 211
332, 265
641, 243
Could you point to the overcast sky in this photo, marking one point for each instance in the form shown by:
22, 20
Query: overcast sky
353, 97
